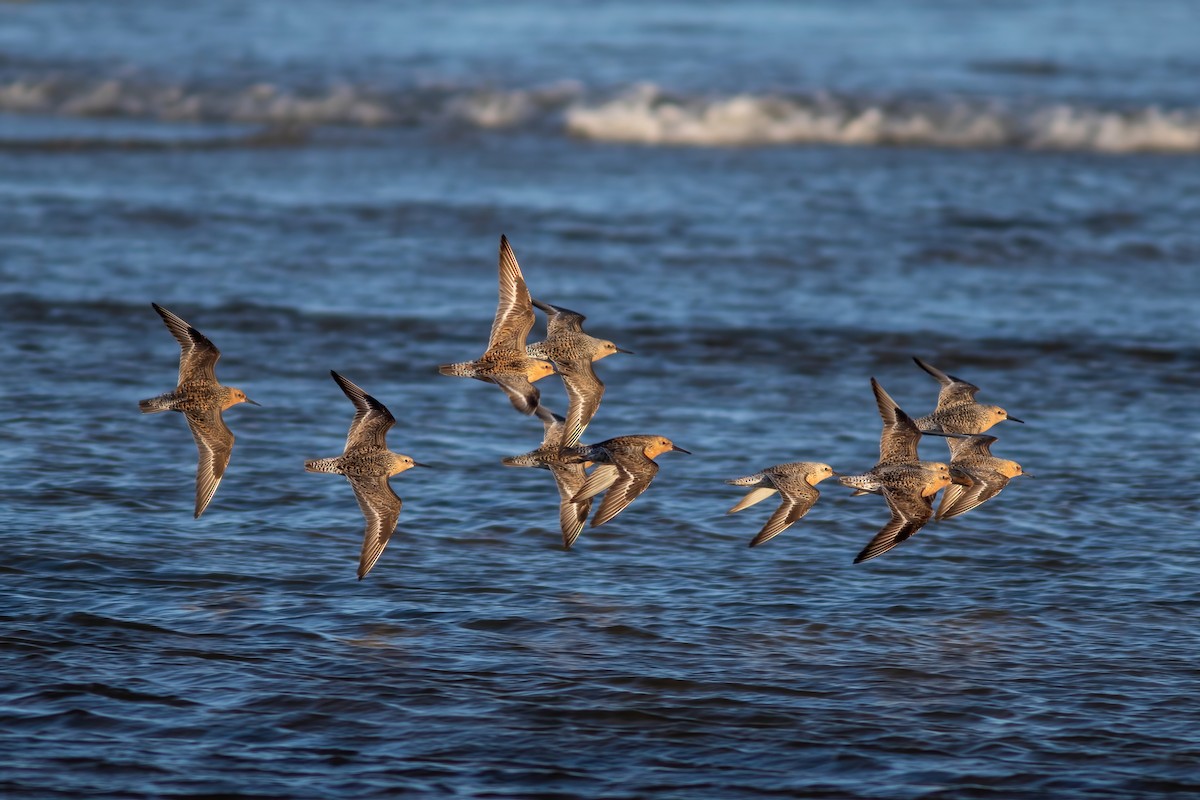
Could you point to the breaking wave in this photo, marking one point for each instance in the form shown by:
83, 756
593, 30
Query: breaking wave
648, 115
644, 114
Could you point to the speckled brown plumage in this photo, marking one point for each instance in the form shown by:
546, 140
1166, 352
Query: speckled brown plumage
624, 469
977, 475
505, 362
796, 483
906, 483
573, 353
569, 475
367, 464
201, 399
956, 410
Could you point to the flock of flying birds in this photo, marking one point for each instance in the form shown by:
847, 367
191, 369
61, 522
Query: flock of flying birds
621, 468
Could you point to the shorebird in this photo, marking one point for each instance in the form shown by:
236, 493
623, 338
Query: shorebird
977, 475
906, 483
796, 483
573, 352
367, 464
908, 490
201, 399
625, 463
569, 475
957, 411
505, 362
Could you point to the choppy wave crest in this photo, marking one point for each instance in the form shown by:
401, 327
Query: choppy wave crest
644, 114
274, 104
647, 115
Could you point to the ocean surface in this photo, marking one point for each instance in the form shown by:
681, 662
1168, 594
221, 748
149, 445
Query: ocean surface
769, 203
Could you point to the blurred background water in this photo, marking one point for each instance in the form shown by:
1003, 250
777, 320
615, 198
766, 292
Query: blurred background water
769, 203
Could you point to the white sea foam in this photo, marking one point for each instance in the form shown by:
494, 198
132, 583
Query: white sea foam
644, 114
260, 103
647, 115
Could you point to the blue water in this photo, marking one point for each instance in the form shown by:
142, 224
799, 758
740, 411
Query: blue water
1010, 193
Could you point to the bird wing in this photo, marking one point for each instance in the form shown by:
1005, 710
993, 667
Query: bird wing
521, 393
560, 320
630, 482
572, 514
584, 391
972, 446
381, 509
553, 426
796, 503
214, 441
514, 311
982, 486
954, 390
755, 495
910, 512
602, 477
898, 440
372, 420
198, 356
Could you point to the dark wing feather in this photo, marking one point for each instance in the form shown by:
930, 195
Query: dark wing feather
372, 420
560, 320
584, 391
602, 477
630, 483
514, 311
898, 441
954, 390
523, 395
958, 498
974, 446
572, 514
381, 509
910, 512
214, 441
796, 503
198, 356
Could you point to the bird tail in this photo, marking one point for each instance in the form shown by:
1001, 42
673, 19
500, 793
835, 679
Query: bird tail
749, 480
524, 460
865, 484
462, 370
322, 465
154, 405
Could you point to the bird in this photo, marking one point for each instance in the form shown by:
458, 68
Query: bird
624, 467
367, 464
572, 351
568, 475
906, 483
201, 399
908, 490
956, 410
796, 483
977, 475
505, 362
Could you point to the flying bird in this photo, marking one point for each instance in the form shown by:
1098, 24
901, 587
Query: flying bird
367, 464
201, 399
505, 362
